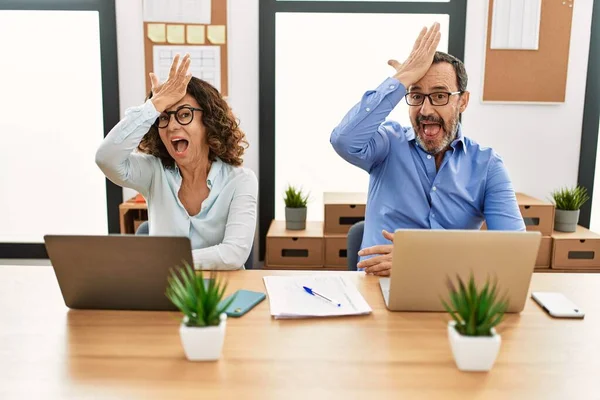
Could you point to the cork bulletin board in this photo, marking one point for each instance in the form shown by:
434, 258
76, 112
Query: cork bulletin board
537, 76
168, 30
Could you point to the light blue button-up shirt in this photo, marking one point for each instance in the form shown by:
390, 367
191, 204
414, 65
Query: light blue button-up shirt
222, 233
405, 190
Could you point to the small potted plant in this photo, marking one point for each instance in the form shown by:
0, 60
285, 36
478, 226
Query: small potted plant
568, 202
295, 209
473, 338
202, 329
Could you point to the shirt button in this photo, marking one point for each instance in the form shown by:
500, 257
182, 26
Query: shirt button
432, 215
434, 188
429, 156
392, 86
368, 109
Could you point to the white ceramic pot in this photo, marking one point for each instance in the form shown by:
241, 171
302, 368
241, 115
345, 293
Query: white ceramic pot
473, 353
203, 344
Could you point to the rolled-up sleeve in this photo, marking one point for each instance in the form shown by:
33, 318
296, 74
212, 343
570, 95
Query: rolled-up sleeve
116, 156
500, 207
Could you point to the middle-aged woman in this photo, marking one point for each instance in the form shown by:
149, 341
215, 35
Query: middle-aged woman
182, 150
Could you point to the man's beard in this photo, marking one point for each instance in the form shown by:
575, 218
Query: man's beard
435, 147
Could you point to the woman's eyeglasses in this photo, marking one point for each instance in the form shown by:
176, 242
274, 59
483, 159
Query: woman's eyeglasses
184, 116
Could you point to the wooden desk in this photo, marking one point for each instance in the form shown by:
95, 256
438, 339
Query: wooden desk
49, 352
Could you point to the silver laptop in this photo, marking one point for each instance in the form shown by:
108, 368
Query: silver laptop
423, 260
116, 272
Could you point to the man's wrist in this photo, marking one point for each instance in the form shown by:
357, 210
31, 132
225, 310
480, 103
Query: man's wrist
403, 79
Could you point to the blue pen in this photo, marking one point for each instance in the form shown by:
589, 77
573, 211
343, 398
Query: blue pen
310, 291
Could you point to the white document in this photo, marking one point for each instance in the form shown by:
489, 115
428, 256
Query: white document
288, 299
182, 11
205, 62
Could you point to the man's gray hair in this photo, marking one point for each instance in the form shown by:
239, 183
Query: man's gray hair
459, 68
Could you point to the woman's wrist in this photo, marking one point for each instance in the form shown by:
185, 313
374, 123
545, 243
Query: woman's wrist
159, 104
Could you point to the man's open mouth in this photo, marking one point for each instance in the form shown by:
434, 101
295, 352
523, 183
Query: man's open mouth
430, 129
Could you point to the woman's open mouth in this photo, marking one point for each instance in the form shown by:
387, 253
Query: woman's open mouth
180, 145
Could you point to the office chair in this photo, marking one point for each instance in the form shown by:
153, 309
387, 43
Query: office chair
354, 240
143, 229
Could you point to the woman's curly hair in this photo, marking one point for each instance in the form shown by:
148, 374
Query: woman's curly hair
224, 137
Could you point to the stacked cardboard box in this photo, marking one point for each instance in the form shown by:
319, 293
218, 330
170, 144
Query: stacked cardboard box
323, 244
295, 249
342, 210
538, 216
578, 250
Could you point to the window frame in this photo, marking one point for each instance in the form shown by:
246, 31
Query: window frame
110, 100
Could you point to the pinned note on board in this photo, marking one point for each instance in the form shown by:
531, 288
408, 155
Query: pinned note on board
176, 34
195, 34
216, 34
156, 33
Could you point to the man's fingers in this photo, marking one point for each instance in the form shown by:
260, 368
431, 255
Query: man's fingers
435, 42
383, 273
395, 64
372, 261
379, 249
384, 266
388, 235
434, 34
420, 38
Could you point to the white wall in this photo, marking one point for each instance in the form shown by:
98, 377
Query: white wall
539, 143
242, 33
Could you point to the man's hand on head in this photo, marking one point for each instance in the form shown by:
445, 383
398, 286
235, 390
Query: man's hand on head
421, 57
381, 262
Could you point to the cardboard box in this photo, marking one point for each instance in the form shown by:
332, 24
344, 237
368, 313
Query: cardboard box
544, 258
294, 248
342, 210
538, 215
576, 250
336, 251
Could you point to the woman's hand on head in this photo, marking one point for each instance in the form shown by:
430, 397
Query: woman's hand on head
165, 94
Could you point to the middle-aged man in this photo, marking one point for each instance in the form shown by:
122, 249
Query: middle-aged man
428, 176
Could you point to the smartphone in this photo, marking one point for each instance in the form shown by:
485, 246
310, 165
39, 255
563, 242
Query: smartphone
245, 300
557, 305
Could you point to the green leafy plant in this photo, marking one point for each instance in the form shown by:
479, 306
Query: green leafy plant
570, 198
475, 312
199, 302
294, 198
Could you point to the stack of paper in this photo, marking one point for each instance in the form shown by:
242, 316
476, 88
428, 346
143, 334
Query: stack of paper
289, 299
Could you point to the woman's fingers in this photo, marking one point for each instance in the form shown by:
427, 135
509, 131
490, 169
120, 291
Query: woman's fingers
154, 81
174, 65
183, 67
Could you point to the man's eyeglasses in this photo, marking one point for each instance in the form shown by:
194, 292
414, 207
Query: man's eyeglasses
435, 99
184, 116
